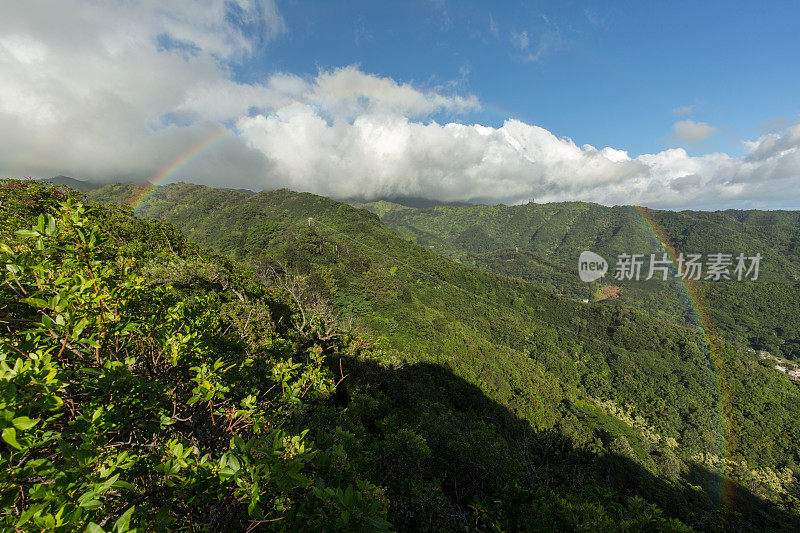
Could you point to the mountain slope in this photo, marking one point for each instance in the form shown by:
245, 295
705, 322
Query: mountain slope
590, 372
542, 243
78, 185
151, 384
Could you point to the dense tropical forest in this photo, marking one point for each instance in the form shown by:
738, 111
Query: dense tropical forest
305, 367
542, 242
552, 362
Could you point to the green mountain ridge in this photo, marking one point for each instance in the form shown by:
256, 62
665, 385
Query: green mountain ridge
153, 384
542, 242
550, 361
449, 398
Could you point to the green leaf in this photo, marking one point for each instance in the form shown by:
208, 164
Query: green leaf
27, 515
91, 504
79, 327
36, 302
51, 225
24, 423
94, 528
123, 485
123, 522
10, 436
105, 485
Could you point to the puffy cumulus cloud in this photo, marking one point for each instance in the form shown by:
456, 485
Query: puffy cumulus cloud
94, 88
349, 93
773, 145
388, 155
343, 93
692, 132
108, 90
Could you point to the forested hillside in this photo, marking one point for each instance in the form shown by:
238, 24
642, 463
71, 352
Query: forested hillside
542, 243
148, 384
694, 413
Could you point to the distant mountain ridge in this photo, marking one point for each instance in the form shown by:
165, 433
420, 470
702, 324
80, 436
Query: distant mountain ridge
89, 185
406, 201
78, 185
542, 243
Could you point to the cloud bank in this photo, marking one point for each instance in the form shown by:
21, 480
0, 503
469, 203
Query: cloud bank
121, 90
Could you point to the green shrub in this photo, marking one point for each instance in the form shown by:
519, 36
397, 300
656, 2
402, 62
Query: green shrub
124, 405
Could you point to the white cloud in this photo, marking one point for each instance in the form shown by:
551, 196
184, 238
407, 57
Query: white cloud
520, 40
389, 155
689, 131
683, 111
91, 87
123, 90
493, 28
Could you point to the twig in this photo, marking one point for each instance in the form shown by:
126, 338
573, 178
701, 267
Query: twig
169, 245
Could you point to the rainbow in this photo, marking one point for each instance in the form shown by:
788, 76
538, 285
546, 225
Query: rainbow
202, 146
181, 161
701, 310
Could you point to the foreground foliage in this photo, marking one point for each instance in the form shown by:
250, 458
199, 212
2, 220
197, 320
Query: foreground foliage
127, 402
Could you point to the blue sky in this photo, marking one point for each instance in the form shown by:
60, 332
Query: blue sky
669, 105
608, 74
